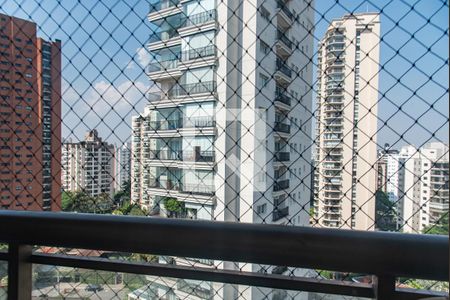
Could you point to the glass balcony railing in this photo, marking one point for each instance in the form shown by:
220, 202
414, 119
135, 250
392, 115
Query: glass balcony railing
200, 18
282, 156
194, 88
198, 188
282, 95
197, 53
162, 4
163, 65
163, 35
279, 213
283, 38
199, 122
166, 124
189, 122
199, 155
282, 127
281, 185
283, 68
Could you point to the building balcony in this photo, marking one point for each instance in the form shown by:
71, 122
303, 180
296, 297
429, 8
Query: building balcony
280, 185
282, 127
260, 244
199, 19
282, 156
284, 15
283, 44
198, 53
198, 188
279, 213
281, 96
207, 88
283, 72
164, 39
163, 70
173, 124
162, 9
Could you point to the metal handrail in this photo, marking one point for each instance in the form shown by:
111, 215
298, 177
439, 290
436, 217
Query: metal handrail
386, 255
282, 37
200, 18
196, 53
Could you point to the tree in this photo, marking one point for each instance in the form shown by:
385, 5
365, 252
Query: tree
83, 203
124, 194
385, 212
173, 207
136, 211
440, 227
67, 201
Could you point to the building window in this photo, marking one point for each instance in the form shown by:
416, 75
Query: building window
264, 13
261, 209
264, 47
264, 80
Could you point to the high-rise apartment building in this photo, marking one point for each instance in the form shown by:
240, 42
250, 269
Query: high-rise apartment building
30, 118
346, 150
388, 166
88, 166
423, 186
227, 136
122, 162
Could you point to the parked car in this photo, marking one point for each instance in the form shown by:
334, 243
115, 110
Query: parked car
93, 288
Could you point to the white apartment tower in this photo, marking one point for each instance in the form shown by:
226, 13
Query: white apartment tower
227, 135
346, 150
388, 166
88, 166
122, 162
423, 186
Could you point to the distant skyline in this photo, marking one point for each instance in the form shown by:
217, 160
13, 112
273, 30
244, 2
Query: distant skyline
104, 56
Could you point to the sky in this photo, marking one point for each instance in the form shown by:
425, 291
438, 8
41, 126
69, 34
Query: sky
104, 57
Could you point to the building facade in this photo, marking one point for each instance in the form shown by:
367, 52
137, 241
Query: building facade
122, 162
88, 166
226, 135
388, 166
346, 151
30, 118
423, 186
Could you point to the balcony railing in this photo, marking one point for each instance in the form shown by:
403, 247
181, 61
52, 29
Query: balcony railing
182, 155
279, 213
281, 185
163, 65
163, 35
198, 156
167, 124
166, 154
197, 53
200, 18
282, 127
282, 96
199, 122
194, 88
162, 4
284, 68
283, 38
285, 9
282, 156
297, 247
200, 188
191, 122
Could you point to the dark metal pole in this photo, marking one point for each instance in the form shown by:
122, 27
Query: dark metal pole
385, 287
19, 272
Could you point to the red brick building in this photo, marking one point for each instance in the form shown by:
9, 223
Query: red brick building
30, 118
